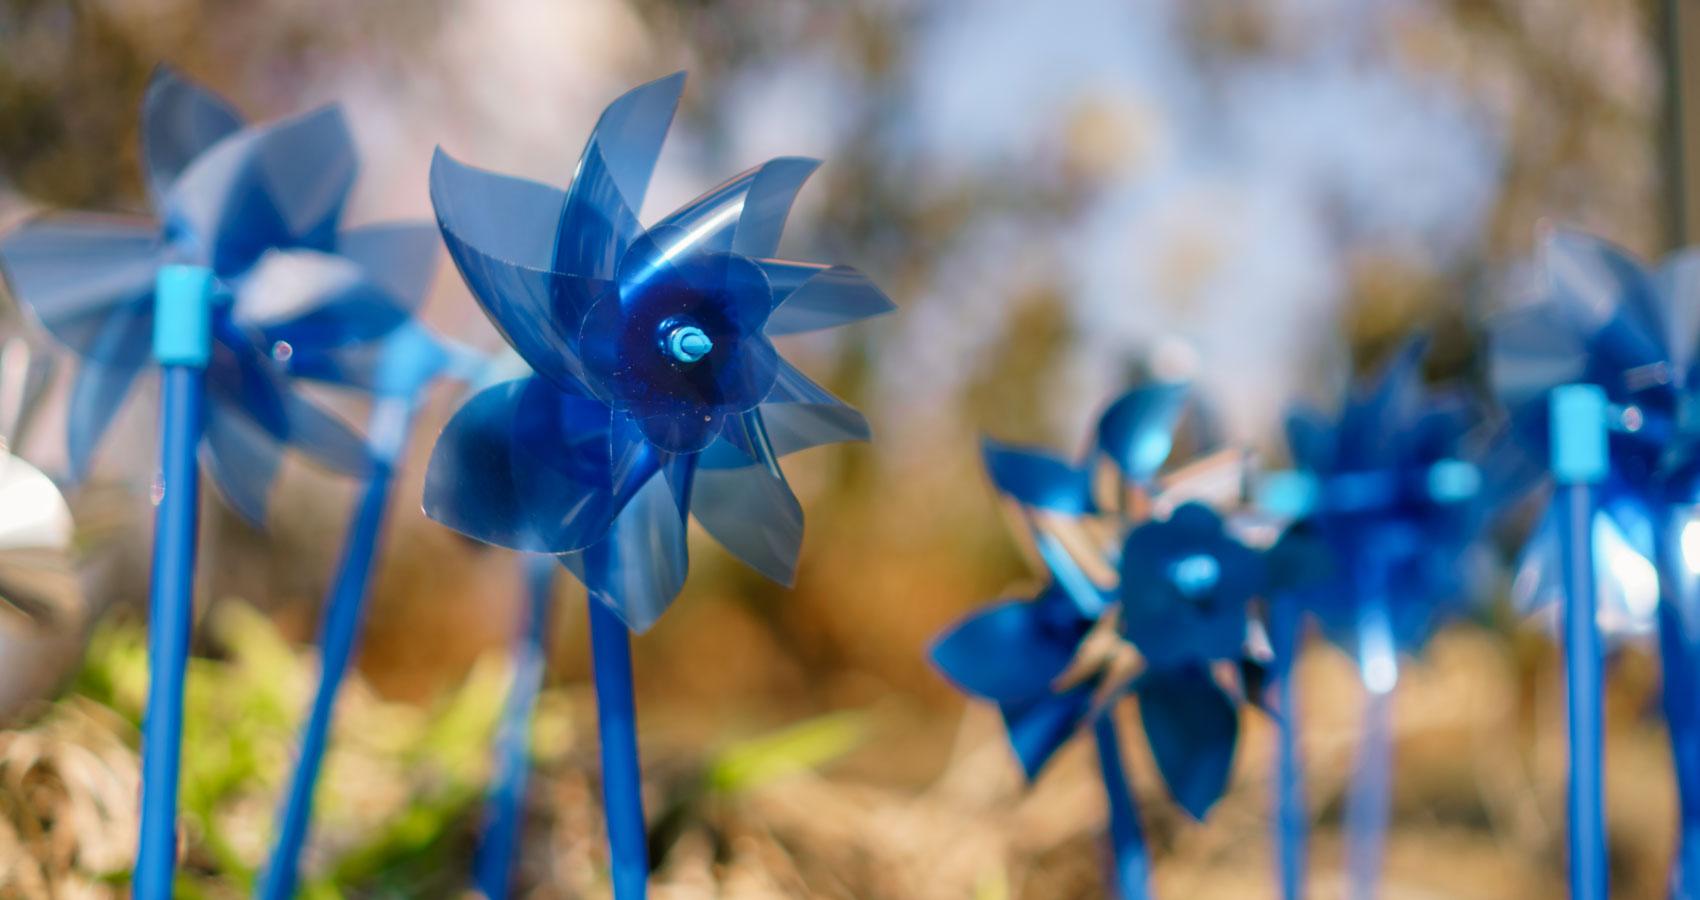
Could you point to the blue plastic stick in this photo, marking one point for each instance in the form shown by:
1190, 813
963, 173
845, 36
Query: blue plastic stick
1677, 652
1127, 837
338, 637
1378, 668
1291, 818
1578, 424
182, 343
622, 779
505, 805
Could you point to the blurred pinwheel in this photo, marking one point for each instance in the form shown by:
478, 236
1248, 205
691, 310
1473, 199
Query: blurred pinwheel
1604, 325
1149, 598
657, 390
1388, 503
260, 205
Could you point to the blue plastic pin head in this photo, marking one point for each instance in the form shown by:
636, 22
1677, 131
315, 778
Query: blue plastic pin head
1288, 494
182, 328
688, 343
1578, 433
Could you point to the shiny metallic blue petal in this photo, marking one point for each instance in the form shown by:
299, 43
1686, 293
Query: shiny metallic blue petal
597, 221
809, 297
1010, 651
278, 185
1037, 478
500, 231
1137, 431
745, 215
74, 273
640, 566
96, 394
1039, 727
525, 466
1193, 726
180, 120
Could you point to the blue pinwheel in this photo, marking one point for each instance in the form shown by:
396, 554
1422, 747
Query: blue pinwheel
1153, 614
260, 206
657, 392
245, 267
1389, 501
1615, 346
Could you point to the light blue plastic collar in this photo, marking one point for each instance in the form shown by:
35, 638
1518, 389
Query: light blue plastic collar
182, 325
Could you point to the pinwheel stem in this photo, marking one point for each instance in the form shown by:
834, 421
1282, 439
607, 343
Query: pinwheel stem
1367, 803
181, 346
1291, 819
1578, 439
493, 869
339, 635
622, 781
1679, 646
1127, 836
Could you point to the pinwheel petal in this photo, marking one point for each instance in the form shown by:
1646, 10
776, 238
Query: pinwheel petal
500, 233
180, 120
1038, 728
399, 257
399, 365
1137, 431
302, 299
1596, 282
75, 273
1012, 651
524, 466
96, 396
800, 414
1192, 726
278, 185
598, 220
1310, 440
809, 297
242, 459
1369, 431
1037, 478
1678, 286
745, 215
640, 566
751, 510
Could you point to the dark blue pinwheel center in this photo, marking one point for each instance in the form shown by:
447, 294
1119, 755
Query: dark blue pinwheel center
680, 347
1185, 586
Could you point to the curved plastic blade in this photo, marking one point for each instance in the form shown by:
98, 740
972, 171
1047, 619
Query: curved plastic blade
524, 466
1137, 431
180, 121
1596, 282
1310, 439
1193, 726
745, 215
500, 232
75, 273
307, 299
244, 382
1377, 410
809, 297
640, 567
1010, 651
277, 185
598, 220
399, 257
1039, 727
96, 395
242, 459
751, 510
1037, 478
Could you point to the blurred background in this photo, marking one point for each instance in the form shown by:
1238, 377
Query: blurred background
1266, 196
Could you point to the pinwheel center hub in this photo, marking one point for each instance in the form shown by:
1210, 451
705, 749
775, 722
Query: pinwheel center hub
1195, 575
685, 342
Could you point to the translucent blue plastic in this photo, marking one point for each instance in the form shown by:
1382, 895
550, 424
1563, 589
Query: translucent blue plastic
1185, 589
657, 392
260, 205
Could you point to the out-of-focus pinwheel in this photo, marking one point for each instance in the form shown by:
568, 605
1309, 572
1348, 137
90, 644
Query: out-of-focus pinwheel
657, 390
1388, 501
1148, 598
1599, 377
245, 265
259, 205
